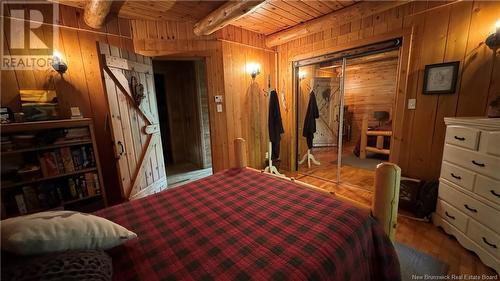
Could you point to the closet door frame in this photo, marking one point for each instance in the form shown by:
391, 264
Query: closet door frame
395, 40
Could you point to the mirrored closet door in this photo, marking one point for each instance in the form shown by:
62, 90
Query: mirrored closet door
344, 114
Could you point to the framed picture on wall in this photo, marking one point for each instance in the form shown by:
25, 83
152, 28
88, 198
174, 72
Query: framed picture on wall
440, 78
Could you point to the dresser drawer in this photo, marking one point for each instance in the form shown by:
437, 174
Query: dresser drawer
452, 215
487, 239
457, 175
470, 206
487, 188
491, 142
463, 136
475, 161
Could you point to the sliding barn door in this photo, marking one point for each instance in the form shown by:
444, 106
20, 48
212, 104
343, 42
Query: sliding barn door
134, 125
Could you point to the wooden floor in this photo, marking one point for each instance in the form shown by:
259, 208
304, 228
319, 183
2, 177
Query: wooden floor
327, 170
422, 236
181, 174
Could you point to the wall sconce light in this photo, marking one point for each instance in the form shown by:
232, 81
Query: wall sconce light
58, 64
302, 74
493, 41
253, 69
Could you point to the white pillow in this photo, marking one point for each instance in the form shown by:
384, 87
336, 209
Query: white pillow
57, 231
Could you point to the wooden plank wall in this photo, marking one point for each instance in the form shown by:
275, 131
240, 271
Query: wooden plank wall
81, 85
160, 38
442, 31
370, 87
246, 103
203, 107
225, 53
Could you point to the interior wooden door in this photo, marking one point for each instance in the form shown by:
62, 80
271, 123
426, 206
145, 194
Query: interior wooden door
134, 125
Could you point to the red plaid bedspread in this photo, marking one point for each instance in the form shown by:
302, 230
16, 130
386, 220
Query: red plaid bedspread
243, 225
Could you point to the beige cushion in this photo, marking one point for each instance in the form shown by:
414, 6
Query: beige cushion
58, 231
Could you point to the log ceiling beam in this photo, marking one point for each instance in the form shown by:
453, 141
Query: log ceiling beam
96, 12
337, 18
225, 15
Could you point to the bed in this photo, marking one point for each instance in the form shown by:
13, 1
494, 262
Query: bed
241, 224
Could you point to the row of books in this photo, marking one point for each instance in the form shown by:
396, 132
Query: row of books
66, 160
74, 134
50, 195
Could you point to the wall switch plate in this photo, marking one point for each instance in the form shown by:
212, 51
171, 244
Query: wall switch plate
219, 107
218, 98
412, 103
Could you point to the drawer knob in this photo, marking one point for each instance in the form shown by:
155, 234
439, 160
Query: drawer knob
489, 244
470, 209
459, 138
457, 177
478, 164
448, 215
494, 193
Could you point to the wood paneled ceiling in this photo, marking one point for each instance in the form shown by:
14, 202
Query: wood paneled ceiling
275, 15
156, 10
269, 17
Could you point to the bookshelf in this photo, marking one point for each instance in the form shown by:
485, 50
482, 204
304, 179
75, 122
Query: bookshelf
50, 165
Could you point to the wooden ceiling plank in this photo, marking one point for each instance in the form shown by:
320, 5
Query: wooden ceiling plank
291, 9
258, 22
275, 25
334, 5
277, 22
147, 10
304, 8
275, 18
318, 6
347, 3
277, 10
357, 11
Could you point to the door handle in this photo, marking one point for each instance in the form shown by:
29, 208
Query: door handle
119, 150
122, 148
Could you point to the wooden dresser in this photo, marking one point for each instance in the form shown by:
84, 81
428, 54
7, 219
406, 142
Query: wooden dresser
469, 186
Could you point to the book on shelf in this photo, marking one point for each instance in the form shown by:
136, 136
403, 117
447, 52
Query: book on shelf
48, 195
85, 157
72, 188
97, 184
21, 205
31, 198
90, 182
77, 133
48, 164
60, 165
92, 157
77, 159
67, 159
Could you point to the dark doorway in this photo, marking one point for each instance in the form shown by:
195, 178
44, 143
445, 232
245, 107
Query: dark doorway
184, 121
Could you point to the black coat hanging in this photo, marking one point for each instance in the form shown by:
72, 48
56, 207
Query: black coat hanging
275, 124
312, 114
